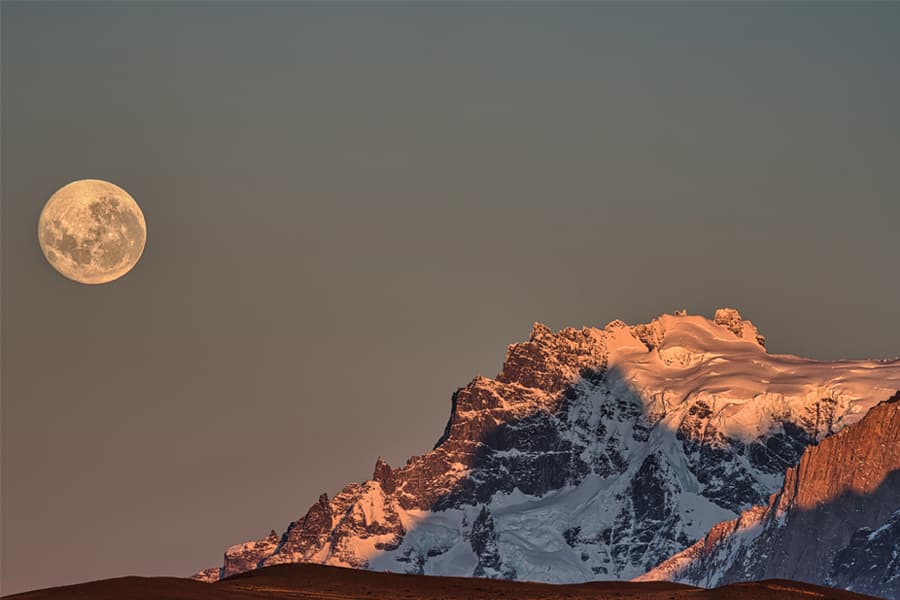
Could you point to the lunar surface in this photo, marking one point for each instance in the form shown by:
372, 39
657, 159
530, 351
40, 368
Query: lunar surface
92, 231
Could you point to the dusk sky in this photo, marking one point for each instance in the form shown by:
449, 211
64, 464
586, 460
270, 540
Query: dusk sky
353, 209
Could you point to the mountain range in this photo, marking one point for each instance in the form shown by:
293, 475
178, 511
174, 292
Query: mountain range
678, 449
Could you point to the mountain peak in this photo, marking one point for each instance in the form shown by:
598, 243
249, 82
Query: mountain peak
731, 319
383, 475
538, 331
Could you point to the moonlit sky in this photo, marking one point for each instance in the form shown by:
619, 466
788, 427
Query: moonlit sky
354, 208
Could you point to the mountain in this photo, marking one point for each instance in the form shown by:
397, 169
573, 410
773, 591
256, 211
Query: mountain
835, 521
594, 454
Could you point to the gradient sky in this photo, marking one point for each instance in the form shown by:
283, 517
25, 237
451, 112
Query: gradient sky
354, 208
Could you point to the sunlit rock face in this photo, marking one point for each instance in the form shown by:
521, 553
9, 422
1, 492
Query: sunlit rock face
243, 557
594, 454
835, 521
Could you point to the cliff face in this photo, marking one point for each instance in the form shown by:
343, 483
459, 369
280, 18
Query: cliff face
836, 520
595, 453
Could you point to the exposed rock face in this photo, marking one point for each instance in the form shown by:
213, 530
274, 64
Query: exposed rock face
209, 575
549, 361
246, 556
731, 320
870, 563
384, 476
484, 545
836, 520
595, 453
242, 557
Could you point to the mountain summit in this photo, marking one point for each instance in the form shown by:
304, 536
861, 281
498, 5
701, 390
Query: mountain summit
594, 454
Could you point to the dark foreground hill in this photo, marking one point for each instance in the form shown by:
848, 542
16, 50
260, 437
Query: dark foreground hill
317, 582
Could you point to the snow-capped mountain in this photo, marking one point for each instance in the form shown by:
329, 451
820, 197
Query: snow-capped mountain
594, 454
835, 521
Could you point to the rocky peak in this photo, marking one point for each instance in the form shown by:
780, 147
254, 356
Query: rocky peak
731, 319
539, 331
384, 475
242, 557
549, 361
651, 334
615, 324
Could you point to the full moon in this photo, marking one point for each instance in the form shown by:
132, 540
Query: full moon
92, 231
